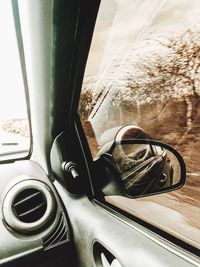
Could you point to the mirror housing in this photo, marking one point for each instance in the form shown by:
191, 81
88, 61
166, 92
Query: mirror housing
140, 167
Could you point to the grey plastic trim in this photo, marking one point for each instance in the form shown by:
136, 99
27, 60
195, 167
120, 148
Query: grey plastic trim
151, 237
13, 258
9, 215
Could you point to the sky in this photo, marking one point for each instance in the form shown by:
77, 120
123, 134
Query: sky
12, 98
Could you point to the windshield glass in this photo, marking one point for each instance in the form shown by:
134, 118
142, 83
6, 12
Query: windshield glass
14, 127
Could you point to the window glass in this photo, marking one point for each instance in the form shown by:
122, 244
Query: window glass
14, 127
144, 70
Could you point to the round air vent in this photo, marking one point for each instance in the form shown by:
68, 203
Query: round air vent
28, 206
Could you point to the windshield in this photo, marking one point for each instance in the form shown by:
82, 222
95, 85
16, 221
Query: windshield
14, 126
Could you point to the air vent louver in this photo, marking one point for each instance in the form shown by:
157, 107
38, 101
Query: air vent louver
29, 206
58, 235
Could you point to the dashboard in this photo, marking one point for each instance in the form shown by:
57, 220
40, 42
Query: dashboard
33, 221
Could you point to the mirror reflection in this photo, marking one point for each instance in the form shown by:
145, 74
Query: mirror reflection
146, 168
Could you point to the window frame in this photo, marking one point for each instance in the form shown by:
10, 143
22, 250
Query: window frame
26, 154
97, 198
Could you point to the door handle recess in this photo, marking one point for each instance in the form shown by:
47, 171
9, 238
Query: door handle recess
105, 263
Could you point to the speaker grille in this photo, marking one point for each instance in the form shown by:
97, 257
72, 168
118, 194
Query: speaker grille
59, 235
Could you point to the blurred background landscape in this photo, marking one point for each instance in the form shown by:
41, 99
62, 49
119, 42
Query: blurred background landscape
144, 69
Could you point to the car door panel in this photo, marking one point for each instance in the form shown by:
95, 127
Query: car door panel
129, 243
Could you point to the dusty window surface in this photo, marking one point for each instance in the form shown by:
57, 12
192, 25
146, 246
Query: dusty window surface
144, 69
14, 126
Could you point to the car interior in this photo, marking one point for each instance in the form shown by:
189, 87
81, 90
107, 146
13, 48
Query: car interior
53, 211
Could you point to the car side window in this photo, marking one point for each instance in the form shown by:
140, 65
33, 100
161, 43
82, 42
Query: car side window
15, 140
142, 81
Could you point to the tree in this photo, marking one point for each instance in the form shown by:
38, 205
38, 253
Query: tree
157, 87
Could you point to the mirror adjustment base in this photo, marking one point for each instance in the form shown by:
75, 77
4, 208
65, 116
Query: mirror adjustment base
70, 167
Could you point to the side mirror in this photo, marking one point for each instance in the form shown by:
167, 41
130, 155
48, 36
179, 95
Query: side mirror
140, 167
